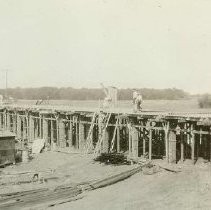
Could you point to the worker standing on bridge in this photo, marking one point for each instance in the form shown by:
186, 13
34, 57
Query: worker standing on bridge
135, 94
137, 101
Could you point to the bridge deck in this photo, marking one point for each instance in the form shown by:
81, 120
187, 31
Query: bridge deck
126, 111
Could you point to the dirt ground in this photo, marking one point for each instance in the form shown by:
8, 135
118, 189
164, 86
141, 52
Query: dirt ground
188, 189
58, 168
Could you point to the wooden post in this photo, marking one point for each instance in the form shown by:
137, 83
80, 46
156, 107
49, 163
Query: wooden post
5, 120
0, 120
18, 127
81, 137
14, 123
118, 139
130, 143
210, 143
2, 115
8, 121
57, 126
144, 142
70, 134
105, 143
45, 130
27, 128
11, 122
25, 120
52, 139
102, 134
61, 134
172, 147
31, 128
76, 133
150, 144
134, 136
23, 127
35, 128
40, 126
182, 147
166, 130
192, 145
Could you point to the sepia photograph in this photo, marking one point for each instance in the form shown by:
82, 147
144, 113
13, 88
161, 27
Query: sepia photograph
105, 105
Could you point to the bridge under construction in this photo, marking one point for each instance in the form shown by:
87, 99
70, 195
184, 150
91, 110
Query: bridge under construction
174, 137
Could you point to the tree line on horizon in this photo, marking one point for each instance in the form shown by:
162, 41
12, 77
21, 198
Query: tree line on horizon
69, 93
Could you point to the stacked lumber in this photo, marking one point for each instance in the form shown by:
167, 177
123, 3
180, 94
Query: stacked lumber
46, 197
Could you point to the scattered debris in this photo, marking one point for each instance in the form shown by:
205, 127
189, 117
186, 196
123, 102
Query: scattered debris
150, 169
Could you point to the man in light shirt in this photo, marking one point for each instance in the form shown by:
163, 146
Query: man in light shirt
137, 101
135, 94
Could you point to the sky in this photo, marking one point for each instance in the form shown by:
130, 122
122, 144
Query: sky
123, 43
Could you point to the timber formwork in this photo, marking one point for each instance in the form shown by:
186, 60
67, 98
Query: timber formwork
153, 135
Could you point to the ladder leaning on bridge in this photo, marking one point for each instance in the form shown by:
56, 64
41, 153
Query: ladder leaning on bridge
114, 135
105, 122
89, 145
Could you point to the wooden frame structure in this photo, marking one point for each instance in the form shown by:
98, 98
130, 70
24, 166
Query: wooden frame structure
173, 136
